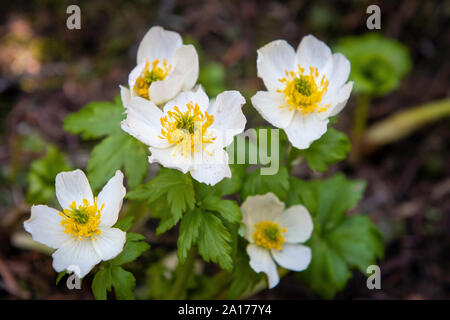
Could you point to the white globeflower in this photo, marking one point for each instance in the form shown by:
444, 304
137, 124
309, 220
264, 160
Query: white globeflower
275, 235
305, 88
189, 134
82, 232
164, 67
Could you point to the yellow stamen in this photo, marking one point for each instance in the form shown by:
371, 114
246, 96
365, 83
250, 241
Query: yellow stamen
187, 130
148, 75
268, 235
82, 221
304, 92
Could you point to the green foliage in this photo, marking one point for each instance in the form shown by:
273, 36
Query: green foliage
115, 277
209, 232
118, 149
41, 177
169, 189
134, 247
212, 77
228, 209
332, 147
377, 63
255, 183
339, 243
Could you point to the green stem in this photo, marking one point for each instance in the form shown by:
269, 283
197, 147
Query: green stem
360, 117
183, 274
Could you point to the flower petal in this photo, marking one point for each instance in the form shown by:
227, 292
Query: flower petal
76, 255
197, 95
305, 129
294, 257
169, 158
45, 226
158, 43
143, 122
111, 198
228, 117
269, 105
337, 101
164, 90
134, 74
72, 186
186, 62
274, 59
211, 168
298, 224
312, 52
339, 73
260, 208
261, 261
109, 243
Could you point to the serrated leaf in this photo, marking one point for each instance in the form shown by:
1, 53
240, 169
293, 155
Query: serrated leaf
101, 284
228, 209
189, 229
339, 243
123, 282
117, 151
132, 249
214, 243
332, 147
177, 189
95, 120
255, 183
115, 277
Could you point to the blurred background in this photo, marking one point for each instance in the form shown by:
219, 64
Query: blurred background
398, 116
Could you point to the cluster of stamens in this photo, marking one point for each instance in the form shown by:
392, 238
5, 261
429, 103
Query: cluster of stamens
82, 220
187, 130
304, 92
148, 75
269, 235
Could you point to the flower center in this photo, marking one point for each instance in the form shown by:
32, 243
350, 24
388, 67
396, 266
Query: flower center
304, 92
147, 76
82, 221
268, 235
187, 130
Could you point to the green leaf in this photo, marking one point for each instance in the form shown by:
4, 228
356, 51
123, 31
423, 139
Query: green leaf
178, 190
60, 276
214, 243
230, 185
102, 284
113, 276
41, 177
327, 200
124, 283
377, 63
95, 120
227, 208
332, 147
243, 276
133, 248
255, 183
117, 151
189, 229
339, 243
124, 224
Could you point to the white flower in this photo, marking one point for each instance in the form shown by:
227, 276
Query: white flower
82, 233
164, 67
275, 234
189, 134
305, 88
